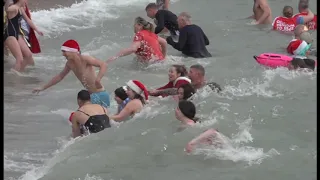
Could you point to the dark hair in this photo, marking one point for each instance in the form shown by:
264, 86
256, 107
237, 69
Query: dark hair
188, 109
138, 96
84, 95
188, 91
145, 24
310, 63
287, 11
151, 6
214, 86
121, 93
199, 68
304, 4
181, 69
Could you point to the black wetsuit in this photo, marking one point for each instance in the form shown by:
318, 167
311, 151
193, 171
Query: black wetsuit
192, 42
214, 86
167, 19
13, 27
96, 123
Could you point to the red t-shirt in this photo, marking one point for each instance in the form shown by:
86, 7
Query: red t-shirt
177, 83
284, 24
150, 48
312, 25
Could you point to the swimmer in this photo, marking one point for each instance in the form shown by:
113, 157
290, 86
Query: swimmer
177, 76
185, 113
146, 45
297, 63
304, 11
192, 40
121, 97
13, 38
297, 46
138, 95
261, 12
163, 4
83, 68
91, 117
197, 76
209, 137
165, 19
185, 92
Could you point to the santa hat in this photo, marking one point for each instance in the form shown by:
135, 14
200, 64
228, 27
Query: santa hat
71, 46
298, 47
138, 87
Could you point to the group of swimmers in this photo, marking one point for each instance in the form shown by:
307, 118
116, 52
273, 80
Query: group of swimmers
92, 115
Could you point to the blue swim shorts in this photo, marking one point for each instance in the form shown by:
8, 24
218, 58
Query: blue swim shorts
101, 98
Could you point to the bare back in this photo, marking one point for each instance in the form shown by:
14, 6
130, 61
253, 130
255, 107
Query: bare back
90, 109
85, 73
258, 11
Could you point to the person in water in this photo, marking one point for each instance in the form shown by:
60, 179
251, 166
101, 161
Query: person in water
192, 40
186, 112
121, 97
14, 40
261, 12
298, 63
165, 19
185, 92
83, 67
287, 22
147, 45
197, 76
138, 95
208, 137
304, 10
163, 4
90, 117
177, 76
297, 46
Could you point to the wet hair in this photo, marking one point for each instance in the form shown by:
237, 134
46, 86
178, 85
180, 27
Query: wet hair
188, 91
214, 86
188, 109
302, 63
151, 6
287, 11
121, 93
181, 69
84, 95
138, 96
199, 68
145, 24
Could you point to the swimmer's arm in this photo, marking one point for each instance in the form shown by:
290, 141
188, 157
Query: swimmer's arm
57, 78
181, 43
167, 92
266, 10
97, 63
163, 44
160, 25
166, 4
207, 134
126, 112
306, 18
29, 21
125, 52
75, 126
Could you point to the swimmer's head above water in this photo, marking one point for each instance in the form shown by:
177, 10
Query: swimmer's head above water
141, 24
120, 94
184, 19
186, 111
177, 71
287, 11
303, 6
70, 49
299, 29
196, 72
83, 97
185, 91
137, 90
151, 9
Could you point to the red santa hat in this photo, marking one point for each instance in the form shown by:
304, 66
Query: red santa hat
138, 87
298, 47
71, 46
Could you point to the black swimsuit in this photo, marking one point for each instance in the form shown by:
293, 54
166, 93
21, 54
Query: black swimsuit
13, 27
96, 123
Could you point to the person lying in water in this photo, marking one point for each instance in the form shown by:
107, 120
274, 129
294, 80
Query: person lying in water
177, 76
89, 117
297, 63
208, 137
146, 44
197, 76
83, 67
138, 94
121, 97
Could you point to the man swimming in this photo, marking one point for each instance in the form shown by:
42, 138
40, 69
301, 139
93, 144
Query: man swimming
83, 68
261, 12
192, 40
197, 76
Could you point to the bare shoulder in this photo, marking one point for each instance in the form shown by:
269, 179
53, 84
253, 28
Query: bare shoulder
134, 103
87, 57
12, 8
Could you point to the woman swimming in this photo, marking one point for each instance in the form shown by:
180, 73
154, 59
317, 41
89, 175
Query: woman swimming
121, 97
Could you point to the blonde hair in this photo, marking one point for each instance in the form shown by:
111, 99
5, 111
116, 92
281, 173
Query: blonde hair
145, 24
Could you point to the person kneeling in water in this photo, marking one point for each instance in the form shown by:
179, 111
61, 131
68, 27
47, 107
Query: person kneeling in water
177, 77
121, 97
135, 89
296, 63
91, 117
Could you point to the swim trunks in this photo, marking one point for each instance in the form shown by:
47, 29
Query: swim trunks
101, 98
